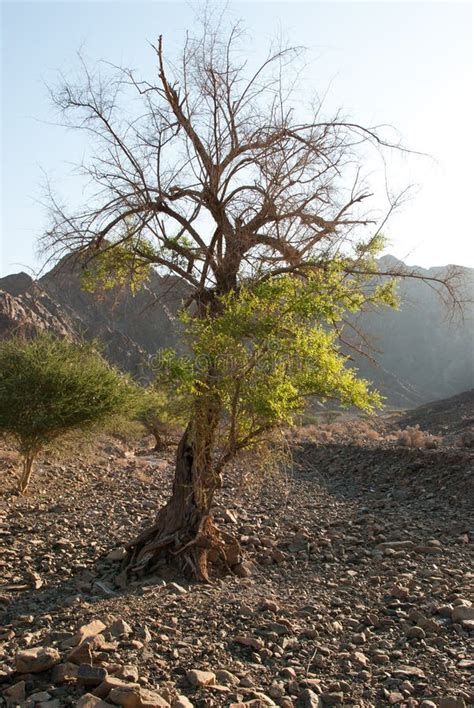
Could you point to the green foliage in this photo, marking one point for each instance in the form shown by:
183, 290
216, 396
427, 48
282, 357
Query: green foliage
49, 387
122, 260
270, 346
161, 412
127, 260
116, 265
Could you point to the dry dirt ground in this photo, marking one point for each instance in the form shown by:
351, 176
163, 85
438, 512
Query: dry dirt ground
360, 592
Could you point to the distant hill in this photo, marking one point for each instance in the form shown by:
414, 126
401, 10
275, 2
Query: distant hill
420, 354
454, 415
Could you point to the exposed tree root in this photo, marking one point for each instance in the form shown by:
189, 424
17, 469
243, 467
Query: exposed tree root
184, 533
191, 551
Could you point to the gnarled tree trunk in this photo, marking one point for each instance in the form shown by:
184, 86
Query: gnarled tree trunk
184, 532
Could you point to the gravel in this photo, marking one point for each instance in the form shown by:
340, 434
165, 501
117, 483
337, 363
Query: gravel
357, 587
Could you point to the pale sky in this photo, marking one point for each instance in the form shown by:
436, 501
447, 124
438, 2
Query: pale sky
406, 64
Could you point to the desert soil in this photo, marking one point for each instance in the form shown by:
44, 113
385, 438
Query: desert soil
359, 584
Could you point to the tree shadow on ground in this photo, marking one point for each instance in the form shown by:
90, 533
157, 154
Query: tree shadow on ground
355, 472
412, 479
50, 599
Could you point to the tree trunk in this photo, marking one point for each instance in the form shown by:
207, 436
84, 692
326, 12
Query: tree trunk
160, 444
184, 533
27, 469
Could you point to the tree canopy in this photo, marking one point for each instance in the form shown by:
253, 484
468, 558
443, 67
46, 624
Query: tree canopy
50, 386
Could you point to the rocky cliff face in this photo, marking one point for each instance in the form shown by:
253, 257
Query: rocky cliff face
25, 308
131, 329
421, 354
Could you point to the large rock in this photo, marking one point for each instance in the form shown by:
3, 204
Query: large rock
64, 673
136, 697
227, 678
409, 672
84, 652
182, 702
152, 699
91, 675
103, 690
91, 701
249, 641
92, 629
452, 702
15, 693
201, 678
462, 613
37, 659
308, 699
120, 628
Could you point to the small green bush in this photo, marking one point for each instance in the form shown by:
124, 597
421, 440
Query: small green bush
49, 387
161, 414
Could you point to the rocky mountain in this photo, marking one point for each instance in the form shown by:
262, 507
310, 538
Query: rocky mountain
420, 353
424, 351
130, 327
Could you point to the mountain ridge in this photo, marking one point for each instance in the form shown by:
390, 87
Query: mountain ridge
419, 354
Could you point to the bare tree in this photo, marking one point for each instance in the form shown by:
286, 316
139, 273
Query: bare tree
208, 172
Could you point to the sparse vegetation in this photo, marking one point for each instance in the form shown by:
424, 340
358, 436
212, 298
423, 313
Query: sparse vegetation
49, 387
162, 414
412, 436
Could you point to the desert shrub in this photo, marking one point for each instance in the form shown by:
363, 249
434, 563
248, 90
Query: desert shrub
162, 413
342, 431
325, 436
330, 417
124, 428
466, 439
50, 387
372, 434
412, 436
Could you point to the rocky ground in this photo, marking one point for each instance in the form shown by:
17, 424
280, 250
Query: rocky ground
358, 590
452, 418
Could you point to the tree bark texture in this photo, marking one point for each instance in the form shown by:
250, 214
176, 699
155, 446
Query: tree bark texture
184, 532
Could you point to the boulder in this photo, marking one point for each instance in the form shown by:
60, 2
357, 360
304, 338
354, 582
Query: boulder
83, 653
64, 673
92, 629
308, 699
37, 659
120, 628
91, 675
182, 702
136, 697
15, 693
91, 701
110, 683
201, 678
249, 641
462, 613
226, 678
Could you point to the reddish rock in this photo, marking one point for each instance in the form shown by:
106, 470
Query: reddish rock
35, 660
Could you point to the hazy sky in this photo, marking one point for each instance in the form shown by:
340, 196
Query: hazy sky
406, 64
